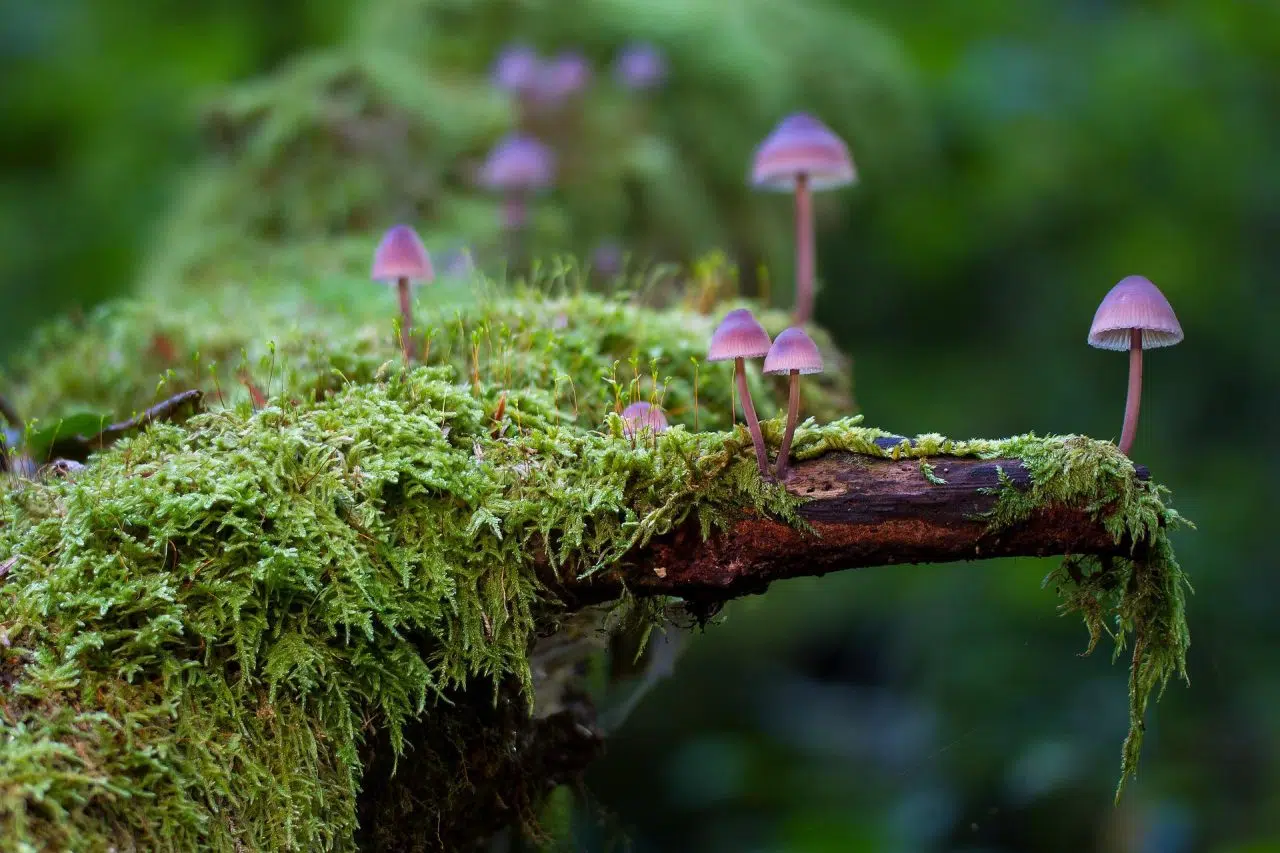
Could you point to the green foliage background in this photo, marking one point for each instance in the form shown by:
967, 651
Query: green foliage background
1017, 160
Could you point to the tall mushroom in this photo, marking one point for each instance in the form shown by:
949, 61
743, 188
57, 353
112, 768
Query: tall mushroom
402, 258
517, 167
793, 352
738, 337
1135, 316
803, 155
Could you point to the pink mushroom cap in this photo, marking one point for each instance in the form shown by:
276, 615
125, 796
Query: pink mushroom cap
642, 416
518, 162
802, 145
401, 255
739, 335
1134, 303
793, 350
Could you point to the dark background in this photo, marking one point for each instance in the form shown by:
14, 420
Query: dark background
1017, 159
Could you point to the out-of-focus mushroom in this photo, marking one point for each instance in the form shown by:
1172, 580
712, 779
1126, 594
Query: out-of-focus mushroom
1134, 315
518, 167
738, 337
803, 155
640, 66
517, 69
563, 77
402, 258
794, 353
639, 417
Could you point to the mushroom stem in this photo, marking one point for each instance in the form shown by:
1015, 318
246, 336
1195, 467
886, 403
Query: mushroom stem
406, 318
515, 215
793, 413
804, 249
749, 410
1134, 397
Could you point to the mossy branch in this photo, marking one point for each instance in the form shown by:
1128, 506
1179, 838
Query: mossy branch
860, 511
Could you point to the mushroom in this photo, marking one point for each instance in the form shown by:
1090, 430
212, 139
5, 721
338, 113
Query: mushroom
1135, 316
517, 167
738, 337
803, 155
402, 258
563, 77
793, 352
640, 66
643, 416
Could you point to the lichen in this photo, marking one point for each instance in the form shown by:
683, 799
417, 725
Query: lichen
203, 628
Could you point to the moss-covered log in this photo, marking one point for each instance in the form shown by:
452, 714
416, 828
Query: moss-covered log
861, 511
224, 633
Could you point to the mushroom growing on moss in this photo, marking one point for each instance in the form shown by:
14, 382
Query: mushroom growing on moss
402, 258
793, 352
1134, 315
639, 417
739, 337
803, 155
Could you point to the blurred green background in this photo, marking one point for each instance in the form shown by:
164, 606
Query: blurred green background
1017, 159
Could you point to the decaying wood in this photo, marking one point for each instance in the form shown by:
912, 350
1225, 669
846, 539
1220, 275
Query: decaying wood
864, 511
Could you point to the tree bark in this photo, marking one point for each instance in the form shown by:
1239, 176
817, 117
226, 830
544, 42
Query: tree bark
863, 511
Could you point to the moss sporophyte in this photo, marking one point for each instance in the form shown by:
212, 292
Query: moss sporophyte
203, 627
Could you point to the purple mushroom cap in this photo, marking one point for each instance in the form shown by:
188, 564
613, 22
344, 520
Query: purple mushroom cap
1134, 303
739, 335
517, 69
802, 145
518, 162
401, 255
565, 76
793, 350
640, 65
642, 416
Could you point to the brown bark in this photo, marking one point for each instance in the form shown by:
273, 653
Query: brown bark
864, 511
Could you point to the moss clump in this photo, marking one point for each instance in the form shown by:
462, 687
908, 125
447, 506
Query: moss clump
592, 353
205, 621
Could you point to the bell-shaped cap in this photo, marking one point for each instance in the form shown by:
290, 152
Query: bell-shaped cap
640, 66
802, 145
793, 350
1134, 303
518, 162
739, 335
564, 76
642, 416
401, 255
517, 69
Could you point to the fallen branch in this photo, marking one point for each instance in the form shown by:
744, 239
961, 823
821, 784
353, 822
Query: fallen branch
863, 511
78, 447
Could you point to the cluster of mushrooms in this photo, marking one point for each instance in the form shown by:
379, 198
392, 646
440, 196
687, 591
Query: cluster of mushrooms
801, 155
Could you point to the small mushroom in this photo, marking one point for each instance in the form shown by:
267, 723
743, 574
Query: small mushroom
563, 77
738, 337
803, 155
517, 167
402, 258
640, 66
1134, 315
516, 69
639, 417
793, 352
